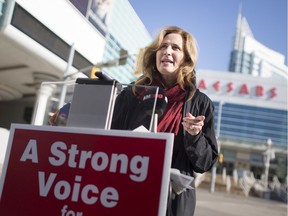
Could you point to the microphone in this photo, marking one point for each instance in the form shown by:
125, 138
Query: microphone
149, 100
102, 76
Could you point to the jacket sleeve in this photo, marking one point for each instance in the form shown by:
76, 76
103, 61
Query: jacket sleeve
202, 148
122, 109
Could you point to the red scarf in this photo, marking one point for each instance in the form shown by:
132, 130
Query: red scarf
172, 117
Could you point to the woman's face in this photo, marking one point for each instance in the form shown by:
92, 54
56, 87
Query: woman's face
170, 55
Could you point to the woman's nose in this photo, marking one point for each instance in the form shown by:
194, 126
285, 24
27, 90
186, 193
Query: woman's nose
168, 51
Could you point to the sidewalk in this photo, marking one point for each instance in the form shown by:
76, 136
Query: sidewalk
224, 204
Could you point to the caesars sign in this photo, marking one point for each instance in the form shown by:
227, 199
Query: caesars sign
74, 171
239, 89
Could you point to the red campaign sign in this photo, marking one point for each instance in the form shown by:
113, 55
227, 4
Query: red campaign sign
73, 171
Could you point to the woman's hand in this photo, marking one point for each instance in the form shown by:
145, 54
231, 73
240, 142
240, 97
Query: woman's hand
52, 119
193, 125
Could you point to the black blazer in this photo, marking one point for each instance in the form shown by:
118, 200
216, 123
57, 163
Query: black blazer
190, 153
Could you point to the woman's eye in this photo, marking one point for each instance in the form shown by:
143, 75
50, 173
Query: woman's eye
163, 46
176, 48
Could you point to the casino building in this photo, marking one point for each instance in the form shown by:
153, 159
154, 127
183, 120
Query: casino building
61, 40
250, 106
250, 112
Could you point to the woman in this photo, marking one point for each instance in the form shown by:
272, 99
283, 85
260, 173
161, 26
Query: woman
169, 63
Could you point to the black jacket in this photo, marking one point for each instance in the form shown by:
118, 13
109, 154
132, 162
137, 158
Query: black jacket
190, 153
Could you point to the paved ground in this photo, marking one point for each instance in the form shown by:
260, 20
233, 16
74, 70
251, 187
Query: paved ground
224, 204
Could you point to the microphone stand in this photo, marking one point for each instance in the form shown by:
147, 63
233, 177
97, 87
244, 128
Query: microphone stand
154, 123
154, 120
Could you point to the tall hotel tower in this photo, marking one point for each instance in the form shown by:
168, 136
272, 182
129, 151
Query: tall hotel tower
251, 57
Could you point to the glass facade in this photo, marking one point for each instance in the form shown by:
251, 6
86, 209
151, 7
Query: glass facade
244, 123
251, 124
123, 31
126, 31
122, 73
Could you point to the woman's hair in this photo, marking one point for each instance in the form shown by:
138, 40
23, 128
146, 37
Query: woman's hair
146, 62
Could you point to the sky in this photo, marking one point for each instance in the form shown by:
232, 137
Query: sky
213, 24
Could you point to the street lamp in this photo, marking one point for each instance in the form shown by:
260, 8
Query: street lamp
268, 155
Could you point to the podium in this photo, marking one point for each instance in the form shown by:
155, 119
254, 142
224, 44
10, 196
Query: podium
83, 167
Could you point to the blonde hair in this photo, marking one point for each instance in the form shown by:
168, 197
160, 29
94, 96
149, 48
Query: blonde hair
146, 62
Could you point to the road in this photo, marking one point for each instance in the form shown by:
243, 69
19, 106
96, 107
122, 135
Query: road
225, 204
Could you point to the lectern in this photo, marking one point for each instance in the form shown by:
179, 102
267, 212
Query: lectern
84, 167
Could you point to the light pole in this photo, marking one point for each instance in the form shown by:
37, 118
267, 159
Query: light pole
66, 75
267, 156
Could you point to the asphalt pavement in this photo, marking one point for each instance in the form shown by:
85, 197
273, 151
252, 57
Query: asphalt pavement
225, 204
